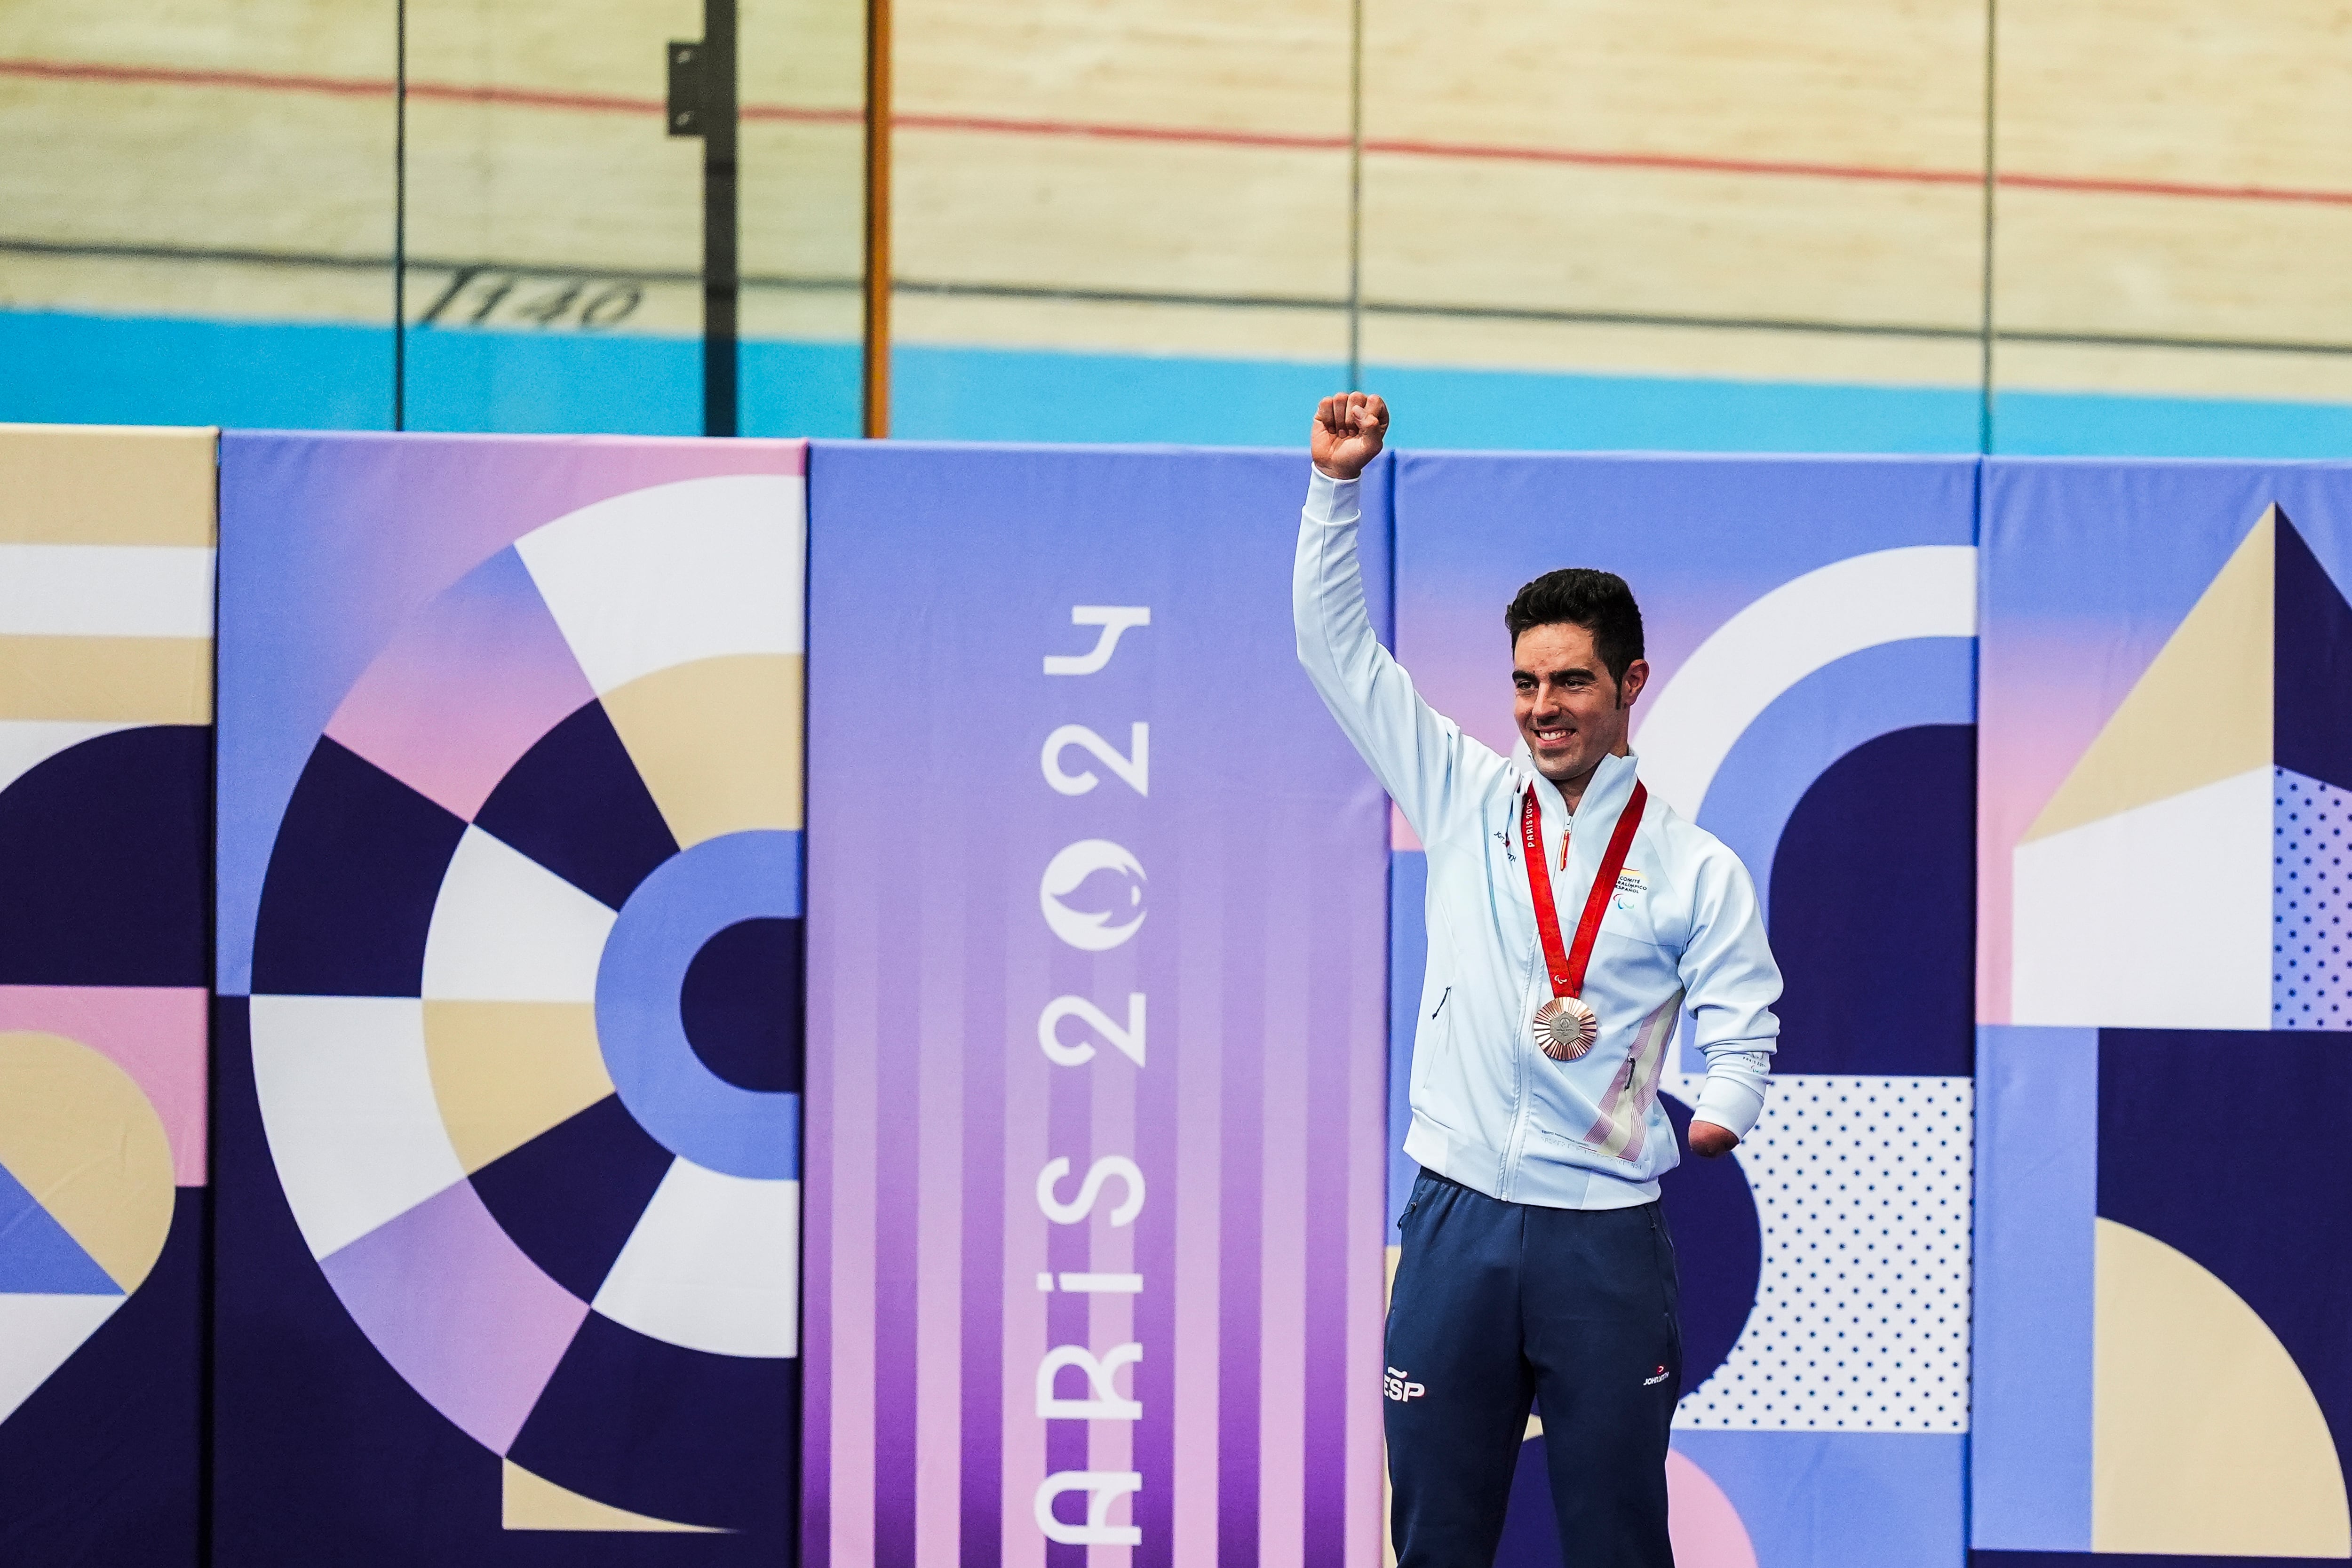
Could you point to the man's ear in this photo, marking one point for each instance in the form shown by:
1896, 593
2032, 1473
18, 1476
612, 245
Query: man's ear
1629, 686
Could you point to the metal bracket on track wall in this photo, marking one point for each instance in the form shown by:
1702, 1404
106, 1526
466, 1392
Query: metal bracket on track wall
702, 103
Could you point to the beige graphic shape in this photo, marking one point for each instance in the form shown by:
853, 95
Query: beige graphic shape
2210, 680
534, 1503
78, 1133
718, 741
128, 680
2205, 1438
68, 484
504, 1072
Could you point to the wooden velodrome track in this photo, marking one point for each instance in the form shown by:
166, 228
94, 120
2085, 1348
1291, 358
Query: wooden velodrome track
1755, 188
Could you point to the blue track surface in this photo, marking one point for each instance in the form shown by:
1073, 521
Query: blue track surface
78, 369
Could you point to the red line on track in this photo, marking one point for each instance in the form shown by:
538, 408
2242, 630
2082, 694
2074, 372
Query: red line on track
2179, 188
613, 103
336, 86
1284, 140
1683, 162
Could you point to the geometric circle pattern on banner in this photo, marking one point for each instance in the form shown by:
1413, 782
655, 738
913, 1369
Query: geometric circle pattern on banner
566, 1232
691, 898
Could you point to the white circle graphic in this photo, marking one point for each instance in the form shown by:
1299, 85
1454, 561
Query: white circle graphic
1082, 929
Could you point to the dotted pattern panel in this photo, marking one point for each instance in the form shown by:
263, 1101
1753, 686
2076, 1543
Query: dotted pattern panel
1863, 1187
2311, 891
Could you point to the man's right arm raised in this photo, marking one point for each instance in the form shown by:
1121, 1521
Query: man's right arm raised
1416, 754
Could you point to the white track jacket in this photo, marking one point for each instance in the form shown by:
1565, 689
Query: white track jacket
1682, 933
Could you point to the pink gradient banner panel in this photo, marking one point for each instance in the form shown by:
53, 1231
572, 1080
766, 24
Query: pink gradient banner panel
1096, 1007
467, 687
2090, 567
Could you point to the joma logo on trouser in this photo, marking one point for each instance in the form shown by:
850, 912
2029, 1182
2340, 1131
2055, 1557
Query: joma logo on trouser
1395, 1386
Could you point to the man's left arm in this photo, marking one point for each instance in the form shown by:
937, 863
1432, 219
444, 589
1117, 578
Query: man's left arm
1730, 984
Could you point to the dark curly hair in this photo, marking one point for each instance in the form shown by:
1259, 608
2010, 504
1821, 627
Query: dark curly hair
1600, 602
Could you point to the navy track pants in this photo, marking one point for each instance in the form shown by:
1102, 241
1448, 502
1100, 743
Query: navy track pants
1498, 1303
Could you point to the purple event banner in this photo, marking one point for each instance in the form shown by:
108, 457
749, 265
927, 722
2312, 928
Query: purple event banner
1097, 998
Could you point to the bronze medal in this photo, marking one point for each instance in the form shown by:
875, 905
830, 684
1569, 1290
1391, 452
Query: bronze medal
1565, 1027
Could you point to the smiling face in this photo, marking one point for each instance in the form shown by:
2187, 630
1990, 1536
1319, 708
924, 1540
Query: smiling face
1570, 710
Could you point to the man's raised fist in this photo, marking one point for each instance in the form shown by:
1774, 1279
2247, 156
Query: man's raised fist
1348, 429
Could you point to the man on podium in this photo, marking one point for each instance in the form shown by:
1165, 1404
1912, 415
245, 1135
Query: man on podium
1573, 921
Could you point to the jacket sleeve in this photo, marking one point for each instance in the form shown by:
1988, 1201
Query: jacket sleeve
1730, 984
1419, 756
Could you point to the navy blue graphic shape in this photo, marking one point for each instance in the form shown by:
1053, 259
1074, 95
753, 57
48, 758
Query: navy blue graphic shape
571, 1197
742, 1004
2264, 1212
575, 803
105, 854
1874, 911
1718, 1249
352, 880
2311, 690
656, 1428
99, 1465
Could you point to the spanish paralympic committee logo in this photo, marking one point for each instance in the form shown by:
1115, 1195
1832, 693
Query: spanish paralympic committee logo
1120, 887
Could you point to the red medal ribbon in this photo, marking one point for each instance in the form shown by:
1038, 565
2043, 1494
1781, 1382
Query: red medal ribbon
1566, 969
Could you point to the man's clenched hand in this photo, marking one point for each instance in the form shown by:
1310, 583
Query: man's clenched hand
1348, 432
1707, 1139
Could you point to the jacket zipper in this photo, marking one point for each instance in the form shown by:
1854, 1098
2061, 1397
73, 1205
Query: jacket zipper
1520, 1088
1440, 1003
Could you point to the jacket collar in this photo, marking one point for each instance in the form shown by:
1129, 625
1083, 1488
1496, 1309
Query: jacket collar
1604, 797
